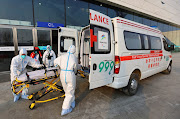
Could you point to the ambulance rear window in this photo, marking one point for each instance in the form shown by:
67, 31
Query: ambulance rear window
66, 42
103, 44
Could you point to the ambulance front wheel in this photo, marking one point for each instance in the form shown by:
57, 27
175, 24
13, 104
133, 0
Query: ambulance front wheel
133, 84
169, 68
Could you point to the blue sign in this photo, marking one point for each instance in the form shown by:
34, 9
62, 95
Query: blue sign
49, 24
154, 27
43, 47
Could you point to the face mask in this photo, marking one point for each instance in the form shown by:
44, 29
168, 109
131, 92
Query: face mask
23, 56
49, 49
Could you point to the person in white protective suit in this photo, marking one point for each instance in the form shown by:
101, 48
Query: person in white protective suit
68, 64
18, 67
48, 57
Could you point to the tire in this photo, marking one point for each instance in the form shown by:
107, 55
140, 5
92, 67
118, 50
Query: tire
169, 68
133, 84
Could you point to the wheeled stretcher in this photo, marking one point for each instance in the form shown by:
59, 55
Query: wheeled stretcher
38, 77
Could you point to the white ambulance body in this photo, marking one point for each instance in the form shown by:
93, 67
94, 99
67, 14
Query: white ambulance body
119, 52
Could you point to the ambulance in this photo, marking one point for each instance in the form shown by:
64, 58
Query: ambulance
117, 52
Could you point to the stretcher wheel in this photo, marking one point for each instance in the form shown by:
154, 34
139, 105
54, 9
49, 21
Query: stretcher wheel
32, 105
30, 97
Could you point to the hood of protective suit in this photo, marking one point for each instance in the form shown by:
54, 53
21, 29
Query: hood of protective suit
23, 51
72, 49
49, 47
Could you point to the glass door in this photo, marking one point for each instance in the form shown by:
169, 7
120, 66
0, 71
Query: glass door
6, 47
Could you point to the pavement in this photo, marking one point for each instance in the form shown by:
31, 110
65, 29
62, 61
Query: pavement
158, 97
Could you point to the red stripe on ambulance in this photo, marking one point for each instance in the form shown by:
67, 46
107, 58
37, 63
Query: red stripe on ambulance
134, 57
156, 51
138, 26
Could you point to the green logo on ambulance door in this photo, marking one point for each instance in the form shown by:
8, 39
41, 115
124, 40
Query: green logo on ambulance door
106, 65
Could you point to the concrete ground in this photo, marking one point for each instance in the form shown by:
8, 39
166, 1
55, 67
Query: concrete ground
158, 98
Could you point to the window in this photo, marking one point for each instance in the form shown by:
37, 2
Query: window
155, 43
77, 13
113, 13
138, 19
146, 21
145, 41
132, 40
99, 7
43, 37
103, 44
24, 37
16, 12
127, 15
49, 11
154, 23
65, 43
6, 37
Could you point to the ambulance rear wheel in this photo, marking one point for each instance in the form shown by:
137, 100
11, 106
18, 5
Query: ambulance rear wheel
132, 86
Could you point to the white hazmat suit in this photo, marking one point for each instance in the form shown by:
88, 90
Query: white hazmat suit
48, 57
68, 64
18, 67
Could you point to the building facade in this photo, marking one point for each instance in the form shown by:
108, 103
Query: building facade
20, 20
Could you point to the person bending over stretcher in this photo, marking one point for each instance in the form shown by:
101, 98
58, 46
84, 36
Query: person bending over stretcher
68, 64
18, 67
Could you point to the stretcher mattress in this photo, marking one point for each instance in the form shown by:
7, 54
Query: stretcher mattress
38, 74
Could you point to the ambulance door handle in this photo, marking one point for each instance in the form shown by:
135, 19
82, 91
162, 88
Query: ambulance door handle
94, 66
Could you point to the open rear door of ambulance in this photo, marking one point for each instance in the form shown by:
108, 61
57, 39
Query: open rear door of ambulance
101, 50
66, 38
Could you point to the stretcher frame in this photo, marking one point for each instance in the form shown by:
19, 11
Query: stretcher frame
49, 87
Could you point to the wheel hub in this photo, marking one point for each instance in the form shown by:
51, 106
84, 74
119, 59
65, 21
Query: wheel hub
134, 84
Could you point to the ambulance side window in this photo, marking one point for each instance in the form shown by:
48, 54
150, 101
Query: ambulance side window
145, 42
66, 42
103, 44
155, 43
132, 40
